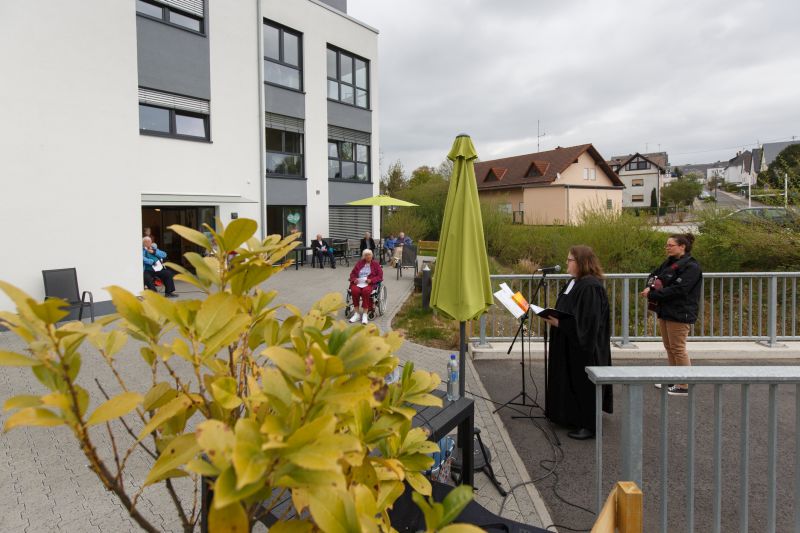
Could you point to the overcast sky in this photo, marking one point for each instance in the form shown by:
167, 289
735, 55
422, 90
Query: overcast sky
699, 79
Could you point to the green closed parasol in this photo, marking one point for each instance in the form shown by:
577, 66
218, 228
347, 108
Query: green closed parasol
461, 287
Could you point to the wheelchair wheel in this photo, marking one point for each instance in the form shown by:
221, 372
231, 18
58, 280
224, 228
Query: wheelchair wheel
372, 314
382, 300
348, 311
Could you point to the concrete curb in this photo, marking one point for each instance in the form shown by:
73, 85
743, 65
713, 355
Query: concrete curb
698, 350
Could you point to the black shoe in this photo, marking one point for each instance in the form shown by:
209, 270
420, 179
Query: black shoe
658, 385
581, 434
171, 295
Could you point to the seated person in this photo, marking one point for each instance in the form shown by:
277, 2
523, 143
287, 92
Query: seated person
152, 259
397, 253
365, 275
320, 248
367, 243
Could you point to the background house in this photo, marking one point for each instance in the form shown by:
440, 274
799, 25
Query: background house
552, 187
643, 176
769, 151
172, 112
739, 169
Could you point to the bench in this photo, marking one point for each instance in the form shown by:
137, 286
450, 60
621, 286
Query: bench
427, 246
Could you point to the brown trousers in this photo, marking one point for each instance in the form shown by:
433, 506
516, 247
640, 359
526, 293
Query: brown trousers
674, 335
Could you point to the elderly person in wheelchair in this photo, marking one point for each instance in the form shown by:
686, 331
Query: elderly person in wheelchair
365, 289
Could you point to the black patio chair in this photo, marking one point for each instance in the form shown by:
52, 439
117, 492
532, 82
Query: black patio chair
63, 283
408, 260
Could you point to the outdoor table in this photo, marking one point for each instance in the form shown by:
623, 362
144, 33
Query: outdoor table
300, 256
441, 420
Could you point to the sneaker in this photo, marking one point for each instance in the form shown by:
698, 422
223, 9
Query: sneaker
677, 391
365, 319
171, 295
355, 318
658, 385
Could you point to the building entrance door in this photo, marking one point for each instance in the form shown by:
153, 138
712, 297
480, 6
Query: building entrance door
158, 219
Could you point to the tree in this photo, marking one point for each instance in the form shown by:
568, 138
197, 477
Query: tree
681, 192
677, 172
394, 180
445, 169
786, 164
423, 175
653, 198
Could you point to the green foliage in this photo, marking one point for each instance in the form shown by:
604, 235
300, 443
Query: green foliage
787, 163
428, 190
623, 241
298, 405
681, 191
394, 180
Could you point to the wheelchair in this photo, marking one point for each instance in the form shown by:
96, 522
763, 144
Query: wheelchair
378, 295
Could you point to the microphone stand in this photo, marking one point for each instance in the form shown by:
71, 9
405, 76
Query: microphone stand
524, 396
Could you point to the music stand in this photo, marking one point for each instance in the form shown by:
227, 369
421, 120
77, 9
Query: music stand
524, 394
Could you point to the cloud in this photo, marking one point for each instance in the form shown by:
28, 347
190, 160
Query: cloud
706, 76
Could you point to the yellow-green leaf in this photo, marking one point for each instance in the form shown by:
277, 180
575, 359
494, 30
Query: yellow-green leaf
217, 440
224, 392
32, 416
115, 407
288, 361
237, 232
419, 483
176, 454
225, 491
291, 526
328, 510
249, 461
191, 235
23, 400
229, 519
16, 359
178, 405
461, 528
454, 503
159, 395
204, 468
215, 311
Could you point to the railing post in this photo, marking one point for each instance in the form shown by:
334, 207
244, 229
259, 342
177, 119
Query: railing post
632, 429
482, 343
772, 314
625, 342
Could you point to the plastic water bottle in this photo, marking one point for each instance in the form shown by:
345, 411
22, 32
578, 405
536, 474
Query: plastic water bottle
452, 378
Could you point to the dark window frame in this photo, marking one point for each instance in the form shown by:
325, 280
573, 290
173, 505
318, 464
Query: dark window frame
637, 198
172, 134
638, 165
639, 184
339, 82
165, 17
355, 161
302, 155
299, 67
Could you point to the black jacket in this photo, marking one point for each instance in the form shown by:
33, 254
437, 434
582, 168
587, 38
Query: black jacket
367, 244
679, 297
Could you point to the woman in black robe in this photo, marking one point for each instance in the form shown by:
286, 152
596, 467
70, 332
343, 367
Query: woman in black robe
577, 341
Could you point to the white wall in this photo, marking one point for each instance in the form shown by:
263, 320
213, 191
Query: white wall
231, 163
320, 26
68, 102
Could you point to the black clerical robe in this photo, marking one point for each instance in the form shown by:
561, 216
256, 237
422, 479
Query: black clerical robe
582, 340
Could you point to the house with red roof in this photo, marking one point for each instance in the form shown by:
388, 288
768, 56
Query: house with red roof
552, 187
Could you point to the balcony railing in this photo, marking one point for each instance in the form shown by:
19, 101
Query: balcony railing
634, 379
746, 306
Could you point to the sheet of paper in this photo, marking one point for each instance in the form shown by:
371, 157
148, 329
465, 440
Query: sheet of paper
536, 309
504, 297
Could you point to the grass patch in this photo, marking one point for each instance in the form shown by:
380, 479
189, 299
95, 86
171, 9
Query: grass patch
425, 327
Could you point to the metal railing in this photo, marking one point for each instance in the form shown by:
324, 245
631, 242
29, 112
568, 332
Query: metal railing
746, 306
634, 379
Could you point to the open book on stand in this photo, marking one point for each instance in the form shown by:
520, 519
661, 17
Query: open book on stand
518, 306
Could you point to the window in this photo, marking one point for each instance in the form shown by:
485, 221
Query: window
639, 164
167, 14
590, 174
284, 153
609, 203
637, 183
282, 56
348, 78
348, 161
154, 120
637, 198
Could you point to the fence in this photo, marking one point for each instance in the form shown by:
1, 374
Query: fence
633, 381
747, 306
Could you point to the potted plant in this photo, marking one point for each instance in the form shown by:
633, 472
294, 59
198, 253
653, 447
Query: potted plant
259, 406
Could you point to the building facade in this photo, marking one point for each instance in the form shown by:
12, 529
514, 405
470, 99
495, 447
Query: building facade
552, 187
179, 111
643, 176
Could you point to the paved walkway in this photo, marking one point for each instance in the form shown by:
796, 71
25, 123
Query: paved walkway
48, 487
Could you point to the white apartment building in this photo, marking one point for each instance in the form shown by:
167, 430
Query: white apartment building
145, 113
643, 176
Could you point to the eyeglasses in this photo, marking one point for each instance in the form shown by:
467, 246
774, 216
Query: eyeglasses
570, 260
668, 245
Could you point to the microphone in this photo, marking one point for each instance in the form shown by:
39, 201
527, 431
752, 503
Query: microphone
550, 270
